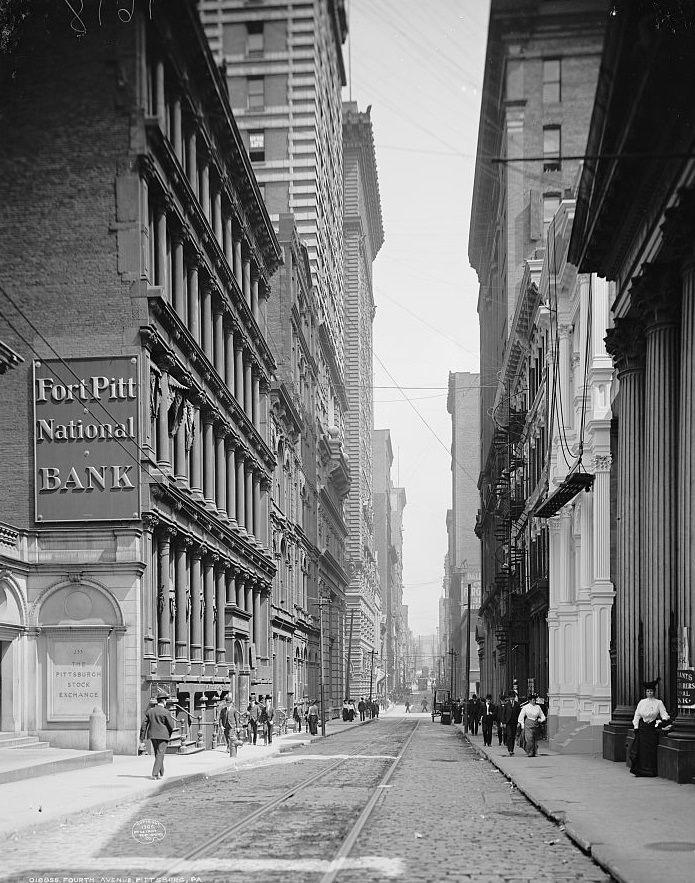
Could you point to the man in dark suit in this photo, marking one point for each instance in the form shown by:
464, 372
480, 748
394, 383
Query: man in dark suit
157, 726
488, 716
511, 718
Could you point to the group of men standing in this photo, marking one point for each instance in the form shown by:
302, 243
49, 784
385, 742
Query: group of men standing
505, 714
260, 713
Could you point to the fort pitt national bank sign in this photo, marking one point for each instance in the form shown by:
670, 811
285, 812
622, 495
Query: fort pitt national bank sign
86, 439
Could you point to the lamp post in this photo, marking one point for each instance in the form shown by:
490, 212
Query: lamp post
371, 681
322, 603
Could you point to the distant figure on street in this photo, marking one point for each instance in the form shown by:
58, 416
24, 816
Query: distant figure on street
157, 726
229, 721
510, 718
267, 718
473, 714
488, 717
362, 708
500, 722
254, 712
375, 709
297, 718
530, 719
650, 718
407, 706
313, 718
424, 708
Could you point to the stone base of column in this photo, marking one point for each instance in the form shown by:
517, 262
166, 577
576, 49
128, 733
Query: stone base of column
675, 757
615, 733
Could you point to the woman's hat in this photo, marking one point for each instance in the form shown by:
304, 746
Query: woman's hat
650, 685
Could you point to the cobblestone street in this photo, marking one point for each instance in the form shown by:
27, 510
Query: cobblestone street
444, 814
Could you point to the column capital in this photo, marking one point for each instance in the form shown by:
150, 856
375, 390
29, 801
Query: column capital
150, 522
626, 343
678, 228
602, 462
657, 293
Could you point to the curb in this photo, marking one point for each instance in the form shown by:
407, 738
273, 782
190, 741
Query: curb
557, 818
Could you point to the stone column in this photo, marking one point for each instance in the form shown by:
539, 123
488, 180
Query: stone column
248, 496
206, 320
160, 99
240, 491
150, 590
239, 370
178, 287
247, 388
661, 303
217, 217
180, 457
192, 163
162, 255
247, 281
229, 358
256, 506
209, 608
239, 589
208, 460
686, 481
197, 457
626, 343
256, 400
205, 189
194, 300
247, 586
231, 481
163, 596
230, 592
163, 444
196, 621
221, 472
181, 599
228, 243
238, 271
177, 131
219, 340
220, 603
257, 618
254, 297
602, 593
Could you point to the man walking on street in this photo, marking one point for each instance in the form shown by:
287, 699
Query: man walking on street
510, 719
489, 713
269, 716
157, 726
229, 721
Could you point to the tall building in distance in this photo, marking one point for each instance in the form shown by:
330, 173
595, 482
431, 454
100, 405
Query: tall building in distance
136, 467
389, 505
363, 237
463, 556
285, 73
538, 94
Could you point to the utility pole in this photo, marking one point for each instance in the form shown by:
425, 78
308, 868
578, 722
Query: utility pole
371, 681
322, 603
468, 646
453, 655
349, 657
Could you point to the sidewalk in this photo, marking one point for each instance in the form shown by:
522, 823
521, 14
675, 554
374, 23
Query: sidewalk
638, 830
43, 800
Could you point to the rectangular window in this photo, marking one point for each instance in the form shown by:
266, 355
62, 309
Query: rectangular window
257, 146
551, 81
551, 203
256, 92
551, 149
254, 39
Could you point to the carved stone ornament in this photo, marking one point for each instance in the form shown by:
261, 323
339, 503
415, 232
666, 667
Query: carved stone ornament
657, 294
602, 462
626, 343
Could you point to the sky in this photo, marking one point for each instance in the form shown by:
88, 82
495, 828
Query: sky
420, 67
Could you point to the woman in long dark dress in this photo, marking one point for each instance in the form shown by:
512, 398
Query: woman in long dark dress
650, 717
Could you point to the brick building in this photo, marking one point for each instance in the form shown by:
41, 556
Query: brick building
137, 256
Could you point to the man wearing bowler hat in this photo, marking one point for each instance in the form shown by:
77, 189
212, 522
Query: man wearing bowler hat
157, 726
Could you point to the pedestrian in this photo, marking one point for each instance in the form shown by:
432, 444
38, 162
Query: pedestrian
488, 717
510, 718
157, 726
254, 712
297, 718
229, 721
268, 716
529, 723
500, 723
313, 718
362, 708
650, 718
346, 709
424, 706
407, 706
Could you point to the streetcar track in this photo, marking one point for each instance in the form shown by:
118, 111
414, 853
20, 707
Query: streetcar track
183, 863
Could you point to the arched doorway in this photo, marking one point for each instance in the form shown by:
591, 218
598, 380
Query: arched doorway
12, 629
